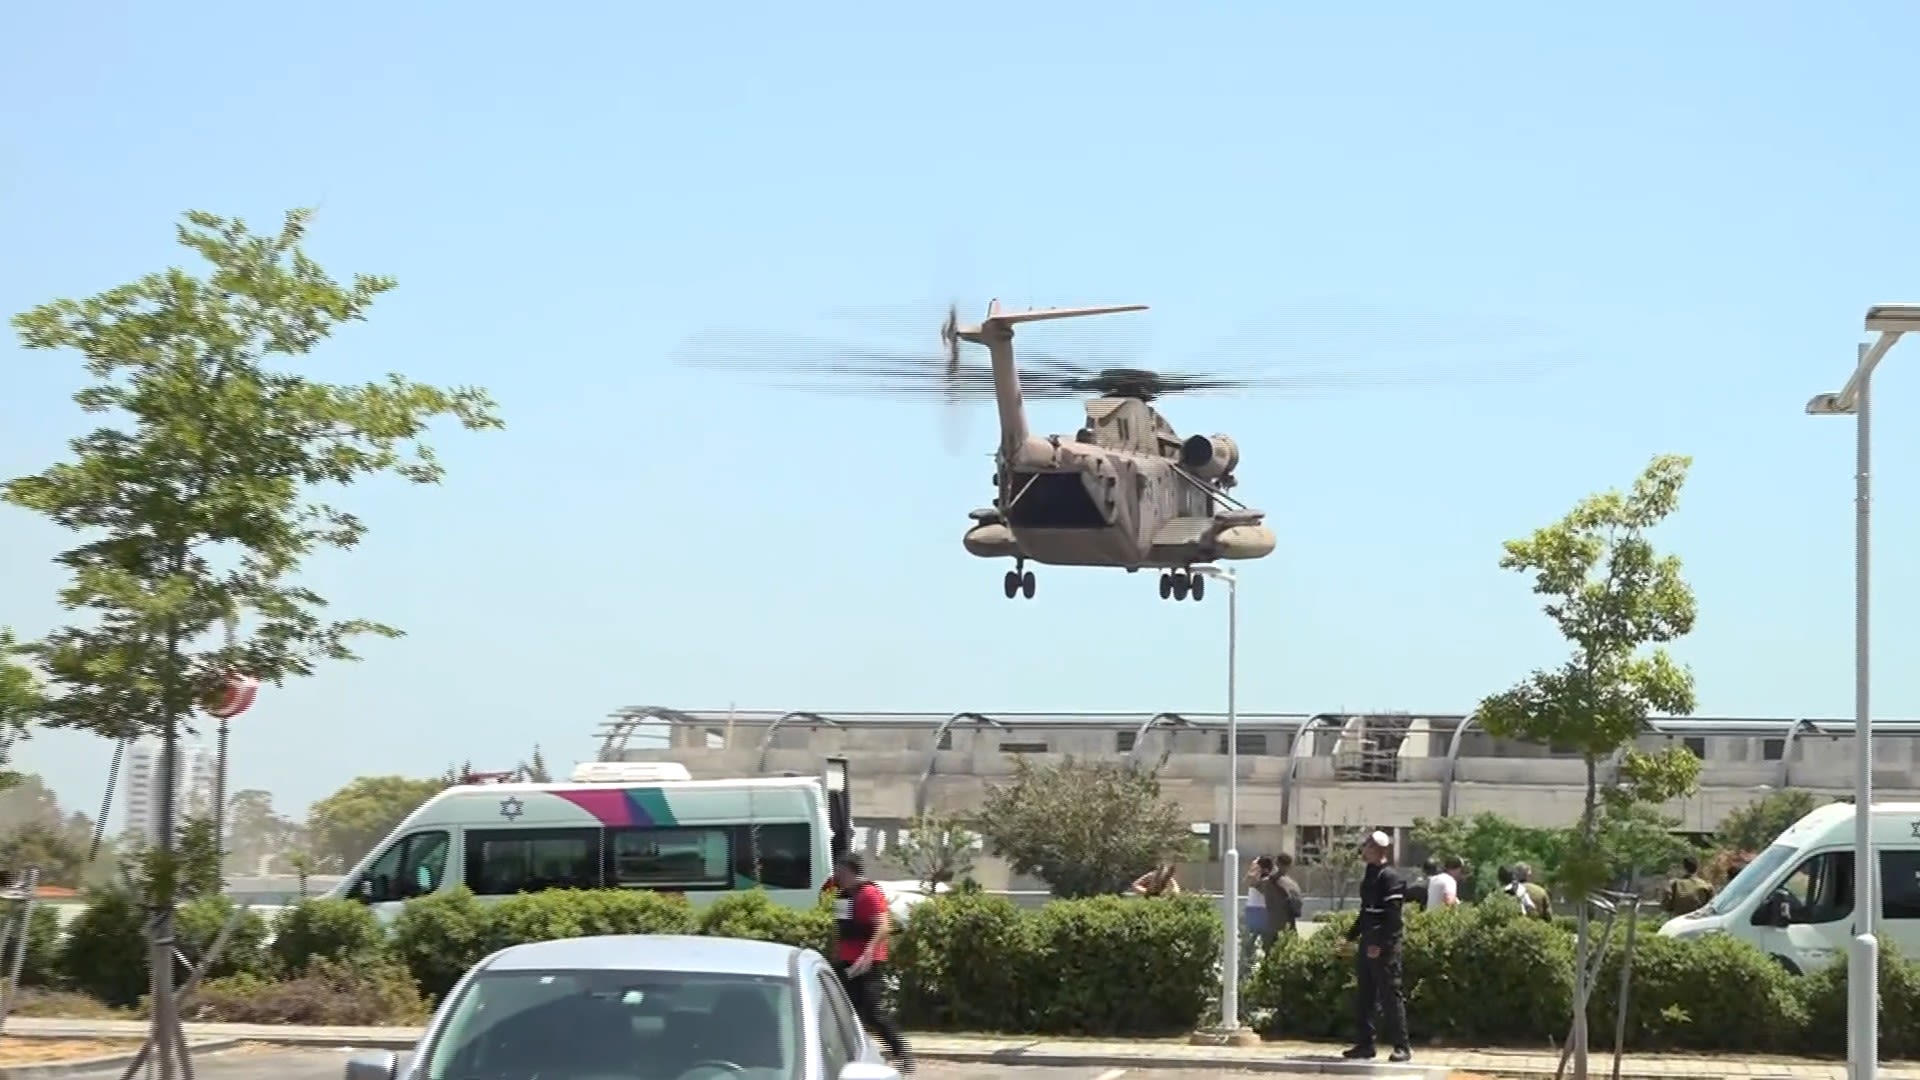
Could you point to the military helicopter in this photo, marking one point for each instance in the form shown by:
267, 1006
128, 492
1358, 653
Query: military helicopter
1124, 491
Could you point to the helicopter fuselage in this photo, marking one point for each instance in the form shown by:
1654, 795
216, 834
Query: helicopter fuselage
1123, 492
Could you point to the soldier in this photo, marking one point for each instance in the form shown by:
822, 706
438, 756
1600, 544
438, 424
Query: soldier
1541, 904
1379, 931
1687, 891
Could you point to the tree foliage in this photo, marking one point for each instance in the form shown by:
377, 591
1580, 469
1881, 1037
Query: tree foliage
1616, 601
197, 496
1086, 828
257, 834
348, 823
20, 703
937, 848
1760, 823
193, 872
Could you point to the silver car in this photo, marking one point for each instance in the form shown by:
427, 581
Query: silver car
641, 1007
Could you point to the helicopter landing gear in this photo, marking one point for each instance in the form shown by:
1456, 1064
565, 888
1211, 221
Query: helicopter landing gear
1181, 585
1019, 583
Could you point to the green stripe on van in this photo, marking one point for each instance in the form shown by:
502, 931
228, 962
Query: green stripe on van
650, 807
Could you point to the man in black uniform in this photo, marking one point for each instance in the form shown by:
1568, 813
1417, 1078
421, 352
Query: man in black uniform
1379, 930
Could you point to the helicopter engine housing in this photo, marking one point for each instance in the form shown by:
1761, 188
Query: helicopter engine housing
1209, 457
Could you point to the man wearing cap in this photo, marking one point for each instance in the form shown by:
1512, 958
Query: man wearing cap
1379, 930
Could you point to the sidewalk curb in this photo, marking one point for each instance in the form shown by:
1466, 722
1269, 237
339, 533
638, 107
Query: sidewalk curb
1053, 1059
54, 1069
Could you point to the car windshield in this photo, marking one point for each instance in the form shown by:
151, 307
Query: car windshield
618, 1025
1756, 873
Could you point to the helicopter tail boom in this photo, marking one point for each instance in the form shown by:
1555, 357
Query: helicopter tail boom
996, 333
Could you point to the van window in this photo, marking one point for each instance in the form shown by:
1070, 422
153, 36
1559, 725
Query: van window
501, 862
1900, 884
776, 856
413, 866
695, 858
1820, 889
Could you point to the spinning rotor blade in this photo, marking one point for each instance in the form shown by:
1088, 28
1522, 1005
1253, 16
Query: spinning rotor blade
1294, 355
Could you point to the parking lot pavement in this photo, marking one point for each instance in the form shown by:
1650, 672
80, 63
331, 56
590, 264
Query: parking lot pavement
280, 1063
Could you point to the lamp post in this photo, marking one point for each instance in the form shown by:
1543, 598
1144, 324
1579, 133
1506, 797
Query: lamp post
1855, 399
1230, 885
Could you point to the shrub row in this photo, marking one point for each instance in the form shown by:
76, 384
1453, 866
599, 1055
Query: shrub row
1482, 974
1479, 974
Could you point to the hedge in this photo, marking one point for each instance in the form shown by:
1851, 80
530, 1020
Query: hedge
1478, 974
1484, 974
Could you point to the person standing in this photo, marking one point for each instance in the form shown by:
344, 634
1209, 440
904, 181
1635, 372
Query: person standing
1259, 922
1379, 931
1687, 891
1285, 902
1536, 892
1443, 888
860, 926
1158, 881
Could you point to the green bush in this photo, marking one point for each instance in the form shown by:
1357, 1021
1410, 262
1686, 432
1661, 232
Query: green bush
368, 991
105, 953
1479, 973
41, 966
199, 922
439, 937
959, 963
1683, 996
754, 915
341, 930
1823, 997
975, 962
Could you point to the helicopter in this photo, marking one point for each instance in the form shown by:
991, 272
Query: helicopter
1125, 491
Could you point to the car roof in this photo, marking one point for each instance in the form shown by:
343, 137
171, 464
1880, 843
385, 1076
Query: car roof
649, 952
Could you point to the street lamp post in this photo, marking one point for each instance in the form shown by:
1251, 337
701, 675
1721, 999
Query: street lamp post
1890, 321
1230, 884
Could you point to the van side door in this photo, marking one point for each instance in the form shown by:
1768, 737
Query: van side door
1817, 898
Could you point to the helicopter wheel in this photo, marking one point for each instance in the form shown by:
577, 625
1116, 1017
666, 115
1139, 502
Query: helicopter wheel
1012, 584
1181, 583
1199, 587
1027, 585
1166, 585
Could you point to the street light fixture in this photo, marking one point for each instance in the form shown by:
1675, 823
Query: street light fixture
1230, 865
1855, 399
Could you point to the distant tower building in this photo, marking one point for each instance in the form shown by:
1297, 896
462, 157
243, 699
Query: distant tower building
193, 785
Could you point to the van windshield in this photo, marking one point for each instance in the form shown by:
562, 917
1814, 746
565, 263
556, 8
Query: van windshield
1764, 867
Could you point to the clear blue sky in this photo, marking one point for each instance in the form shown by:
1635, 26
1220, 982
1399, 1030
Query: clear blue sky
1698, 200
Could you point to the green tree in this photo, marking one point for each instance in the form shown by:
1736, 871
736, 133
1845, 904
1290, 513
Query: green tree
937, 848
198, 500
534, 769
1486, 842
257, 832
62, 860
1086, 828
195, 865
1615, 601
20, 703
1760, 823
350, 822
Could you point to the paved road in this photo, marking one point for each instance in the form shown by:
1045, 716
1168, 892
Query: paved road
271, 1063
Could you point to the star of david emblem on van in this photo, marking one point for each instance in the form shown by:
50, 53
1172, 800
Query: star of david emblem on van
511, 808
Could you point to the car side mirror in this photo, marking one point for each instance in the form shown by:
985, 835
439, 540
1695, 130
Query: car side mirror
863, 1070
376, 1066
1776, 912
363, 892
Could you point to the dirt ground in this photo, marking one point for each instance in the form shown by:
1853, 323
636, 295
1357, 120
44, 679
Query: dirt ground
17, 1051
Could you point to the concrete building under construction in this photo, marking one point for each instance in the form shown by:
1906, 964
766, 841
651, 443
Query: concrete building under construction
1304, 778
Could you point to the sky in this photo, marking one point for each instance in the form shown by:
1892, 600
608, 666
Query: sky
1694, 204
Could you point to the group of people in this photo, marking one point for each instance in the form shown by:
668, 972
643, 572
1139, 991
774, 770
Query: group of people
1439, 884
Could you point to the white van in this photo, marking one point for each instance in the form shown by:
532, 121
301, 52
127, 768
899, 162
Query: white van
1795, 899
620, 825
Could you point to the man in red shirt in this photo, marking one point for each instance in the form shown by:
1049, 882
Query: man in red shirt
860, 924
